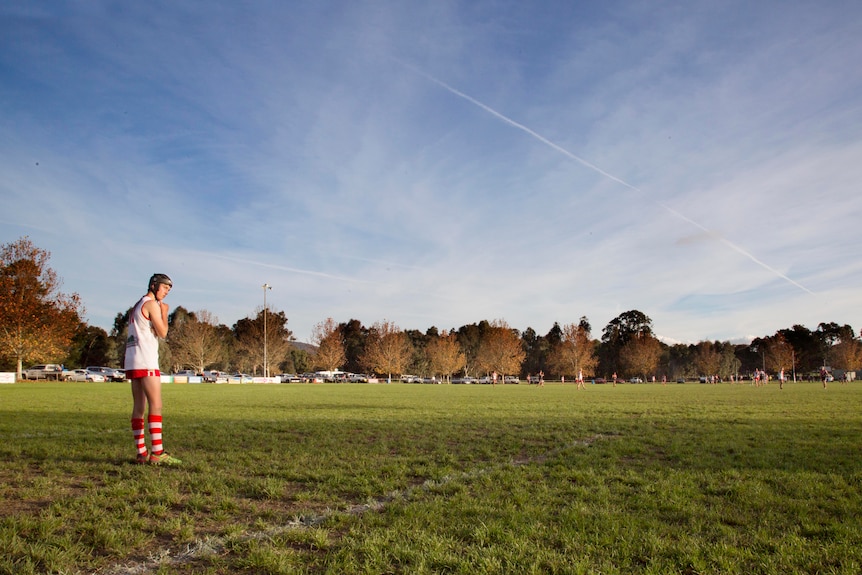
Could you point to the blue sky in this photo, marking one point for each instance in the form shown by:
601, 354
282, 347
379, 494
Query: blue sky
441, 163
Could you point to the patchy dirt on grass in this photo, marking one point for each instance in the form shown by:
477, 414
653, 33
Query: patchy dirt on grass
190, 558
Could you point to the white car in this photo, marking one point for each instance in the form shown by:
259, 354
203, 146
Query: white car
82, 375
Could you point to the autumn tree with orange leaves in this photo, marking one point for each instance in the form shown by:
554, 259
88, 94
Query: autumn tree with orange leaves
575, 353
387, 349
445, 355
326, 335
500, 350
641, 355
779, 354
847, 354
37, 321
707, 360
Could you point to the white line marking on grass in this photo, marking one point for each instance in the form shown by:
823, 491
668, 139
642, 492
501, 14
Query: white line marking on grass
210, 546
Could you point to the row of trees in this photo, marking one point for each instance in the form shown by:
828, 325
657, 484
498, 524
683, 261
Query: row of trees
40, 324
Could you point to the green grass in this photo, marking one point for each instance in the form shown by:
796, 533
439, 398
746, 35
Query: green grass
435, 479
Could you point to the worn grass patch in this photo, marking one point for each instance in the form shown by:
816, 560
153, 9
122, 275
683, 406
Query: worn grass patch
435, 479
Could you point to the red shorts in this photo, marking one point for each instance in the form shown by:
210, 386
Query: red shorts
139, 373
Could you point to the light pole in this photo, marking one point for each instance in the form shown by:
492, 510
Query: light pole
265, 364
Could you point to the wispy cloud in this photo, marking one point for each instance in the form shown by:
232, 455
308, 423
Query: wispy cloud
570, 155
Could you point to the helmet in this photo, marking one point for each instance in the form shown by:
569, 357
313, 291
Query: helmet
159, 279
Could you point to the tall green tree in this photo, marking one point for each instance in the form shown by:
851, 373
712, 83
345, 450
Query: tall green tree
554, 336
678, 361
829, 335
90, 346
119, 333
534, 352
419, 341
619, 332
730, 364
353, 333
298, 361
806, 348
470, 337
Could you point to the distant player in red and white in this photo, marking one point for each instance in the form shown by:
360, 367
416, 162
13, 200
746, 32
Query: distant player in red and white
147, 323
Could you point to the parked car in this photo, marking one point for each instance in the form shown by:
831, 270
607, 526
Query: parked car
186, 373
82, 375
106, 375
290, 378
410, 378
466, 380
358, 378
636, 380
44, 371
109, 373
511, 379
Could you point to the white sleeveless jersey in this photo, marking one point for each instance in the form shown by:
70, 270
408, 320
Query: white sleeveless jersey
142, 344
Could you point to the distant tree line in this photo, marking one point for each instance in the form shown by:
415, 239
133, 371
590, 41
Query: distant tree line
40, 324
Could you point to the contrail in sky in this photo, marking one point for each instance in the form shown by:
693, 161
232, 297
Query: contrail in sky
288, 269
598, 170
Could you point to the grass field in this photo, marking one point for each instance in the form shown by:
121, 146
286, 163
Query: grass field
435, 479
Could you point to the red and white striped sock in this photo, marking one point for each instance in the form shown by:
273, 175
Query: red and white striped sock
155, 422
138, 433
